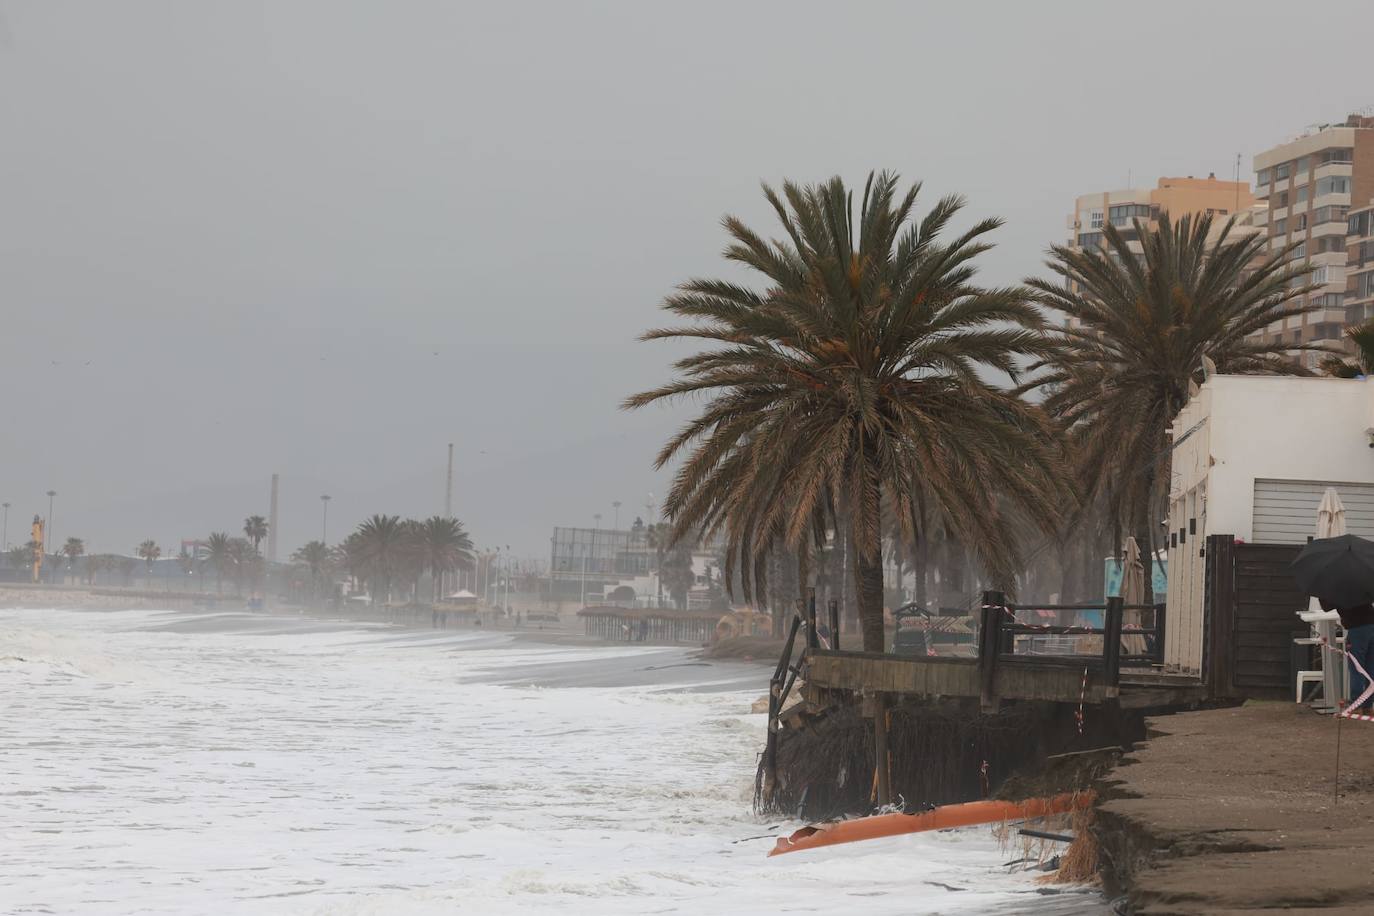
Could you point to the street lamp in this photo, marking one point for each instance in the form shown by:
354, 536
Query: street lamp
47, 535
324, 519
5, 536
616, 503
505, 605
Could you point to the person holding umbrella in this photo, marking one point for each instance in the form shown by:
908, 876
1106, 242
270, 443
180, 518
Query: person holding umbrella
1339, 573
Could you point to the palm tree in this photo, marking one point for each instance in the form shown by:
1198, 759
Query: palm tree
74, 548
381, 544
255, 529
150, 552
1147, 326
1362, 337
218, 555
444, 546
351, 554
411, 564
316, 557
658, 536
676, 572
19, 557
857, 375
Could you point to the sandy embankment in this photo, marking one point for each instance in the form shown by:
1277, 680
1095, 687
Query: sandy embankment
1232, 811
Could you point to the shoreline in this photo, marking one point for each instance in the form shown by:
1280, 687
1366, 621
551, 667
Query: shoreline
737, 668
1229, 811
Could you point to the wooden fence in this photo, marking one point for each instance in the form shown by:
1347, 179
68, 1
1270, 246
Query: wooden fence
1250, 615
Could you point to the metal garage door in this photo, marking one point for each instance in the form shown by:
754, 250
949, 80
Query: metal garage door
1286, 510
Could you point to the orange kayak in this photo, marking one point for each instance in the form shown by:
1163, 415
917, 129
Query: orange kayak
965, 815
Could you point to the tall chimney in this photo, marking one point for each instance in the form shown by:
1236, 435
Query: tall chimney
448, 491
272, 525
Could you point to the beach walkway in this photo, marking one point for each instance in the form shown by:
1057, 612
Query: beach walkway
1231, 811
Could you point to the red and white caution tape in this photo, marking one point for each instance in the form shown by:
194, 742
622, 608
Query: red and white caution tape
1082, 697
1349, 711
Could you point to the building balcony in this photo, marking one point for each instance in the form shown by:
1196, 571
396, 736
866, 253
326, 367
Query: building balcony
1325, 316
1333, 168
1331, 200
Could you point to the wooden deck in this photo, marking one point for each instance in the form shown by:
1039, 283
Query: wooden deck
1005, 669
1052, 680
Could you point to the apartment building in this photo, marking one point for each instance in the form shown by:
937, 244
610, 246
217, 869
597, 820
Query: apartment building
1175, 196
1359, 265
1309, 184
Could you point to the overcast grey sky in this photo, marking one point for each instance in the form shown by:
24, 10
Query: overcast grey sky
326, 238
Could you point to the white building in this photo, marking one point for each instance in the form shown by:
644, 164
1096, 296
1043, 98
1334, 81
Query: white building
1252, 457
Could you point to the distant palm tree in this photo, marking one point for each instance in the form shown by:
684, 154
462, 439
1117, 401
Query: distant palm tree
1362, 337
150, 552
659, 536
859, 374
1148, 326
381, 545
444, 546
316, 557
255, 529
351, 556
219, 556
74, 548
19, 557
411, 565
677, 574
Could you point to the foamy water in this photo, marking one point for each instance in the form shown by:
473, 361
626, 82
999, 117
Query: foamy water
158, 762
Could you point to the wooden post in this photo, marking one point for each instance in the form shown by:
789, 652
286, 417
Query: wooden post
813, 639
989, 646
1159, 633
776, 697
1111, 646
1219, 609
881, 760
834, 623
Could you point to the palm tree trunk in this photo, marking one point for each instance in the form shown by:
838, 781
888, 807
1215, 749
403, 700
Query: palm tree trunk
868, 581
867, 538
920, 556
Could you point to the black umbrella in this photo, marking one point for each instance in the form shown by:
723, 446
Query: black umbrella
1339, 571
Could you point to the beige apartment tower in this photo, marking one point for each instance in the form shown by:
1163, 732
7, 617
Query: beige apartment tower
1175, 196
1310, 183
